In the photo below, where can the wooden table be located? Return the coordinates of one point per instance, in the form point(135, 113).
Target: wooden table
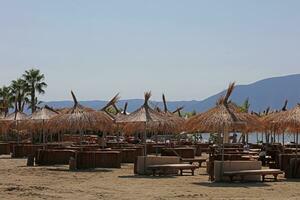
point(193, 160)
point(165, 167)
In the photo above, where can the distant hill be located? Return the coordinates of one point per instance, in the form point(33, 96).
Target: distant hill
point(268, 92)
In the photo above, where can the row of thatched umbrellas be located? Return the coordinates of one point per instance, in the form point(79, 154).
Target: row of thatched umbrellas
point(81, 119)
point(224, 118)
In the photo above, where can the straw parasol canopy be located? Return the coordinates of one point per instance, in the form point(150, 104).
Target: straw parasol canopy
point(191, 123)
point(15, 116)
point(269, 120)
point(289, 119)
point(12, 121)
point(37, 120)
point(223, 117)
point(80, 119)
point(111, 103)
point(252, 121)
point(44, 113)
point(147, 119)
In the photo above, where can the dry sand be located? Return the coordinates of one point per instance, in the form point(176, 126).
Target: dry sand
point(20, 182)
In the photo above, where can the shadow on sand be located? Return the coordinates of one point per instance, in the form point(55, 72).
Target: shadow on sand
point(6, 158)
point(234, 184)
point(146, 177)
point(72, 171)
point(292, 180)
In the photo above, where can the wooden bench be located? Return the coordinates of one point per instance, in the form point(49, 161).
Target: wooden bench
point(193, 160)
point(164, 168)
point(262, 172)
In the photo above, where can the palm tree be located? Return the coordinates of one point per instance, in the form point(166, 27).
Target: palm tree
point(36, 84)
point(19, 90)
point(245, 106)
point(6, 100)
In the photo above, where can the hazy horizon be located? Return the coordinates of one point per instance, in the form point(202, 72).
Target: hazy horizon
point(187, 50)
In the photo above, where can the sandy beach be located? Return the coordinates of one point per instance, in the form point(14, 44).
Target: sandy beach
point(17, 181)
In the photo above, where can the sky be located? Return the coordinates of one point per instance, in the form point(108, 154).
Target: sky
point(187, 49)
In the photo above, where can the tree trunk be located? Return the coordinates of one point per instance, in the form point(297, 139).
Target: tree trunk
point(32, 98)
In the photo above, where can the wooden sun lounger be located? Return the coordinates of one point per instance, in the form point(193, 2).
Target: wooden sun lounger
point(164, 168)
point(262, 172)
point(193, 160)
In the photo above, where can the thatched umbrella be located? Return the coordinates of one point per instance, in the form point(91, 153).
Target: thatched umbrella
point(117, 114)
point(269, 120)
point(175, 118)
point(223, 118)
point(80, 119)
point(289, 120)
point(111, 103)
point(38, 118)
point(145, 119)
point(14, 119)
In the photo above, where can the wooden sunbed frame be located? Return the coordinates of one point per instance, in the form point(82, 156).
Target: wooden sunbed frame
point(165, 167)
point(262, 172)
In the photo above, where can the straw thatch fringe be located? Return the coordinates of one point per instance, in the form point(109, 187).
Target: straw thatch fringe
point(165, 103)
point(147, 96)
point(112, 102)
point(284, 108)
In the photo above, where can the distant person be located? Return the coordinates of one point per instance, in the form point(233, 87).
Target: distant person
point(262, 156)
point(246, 147)
point(234, 138)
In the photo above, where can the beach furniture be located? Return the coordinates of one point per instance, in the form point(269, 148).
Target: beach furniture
point(129, 155)
point(262, 172)
point(98, 159)
point(142, 163)
point(220, 167)
point(54, 157)
point(193, 160)
point(4, 149)
point(22, 151)
point(163, 169)
point(293, 169)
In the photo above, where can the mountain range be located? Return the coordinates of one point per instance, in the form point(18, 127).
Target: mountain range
point(271, 92)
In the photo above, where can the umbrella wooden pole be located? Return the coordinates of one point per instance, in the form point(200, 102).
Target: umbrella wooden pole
point(156, 142)
point(103, 139)
point(43, 133)
point(118, 135)
point(297, 137)
point(145, 139)
point(81, 136)
point(17, 126)
point(222, 163)
point(283, 138)
point(145, 147)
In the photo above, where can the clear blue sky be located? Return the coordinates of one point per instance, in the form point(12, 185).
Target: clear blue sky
point(187, 49)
